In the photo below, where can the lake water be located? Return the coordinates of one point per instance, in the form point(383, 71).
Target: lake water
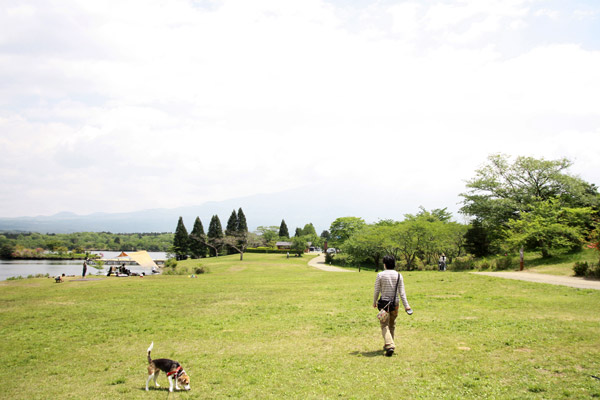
point(12, 268)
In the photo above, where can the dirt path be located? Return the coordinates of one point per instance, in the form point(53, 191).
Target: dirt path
point(319, 262)
point(572, 281)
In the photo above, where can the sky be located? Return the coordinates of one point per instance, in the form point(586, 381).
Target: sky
point(126, 105)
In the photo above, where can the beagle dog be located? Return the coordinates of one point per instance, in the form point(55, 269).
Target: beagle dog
point(171, 368)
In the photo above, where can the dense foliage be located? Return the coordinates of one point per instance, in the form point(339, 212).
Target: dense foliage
point(513, 202)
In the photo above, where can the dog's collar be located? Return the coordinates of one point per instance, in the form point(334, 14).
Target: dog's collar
point(178, 372)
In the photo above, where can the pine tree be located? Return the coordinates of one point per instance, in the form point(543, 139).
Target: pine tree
point(309, 229)
point(298, 232)
point(181, 241)
point(197, 247)
point(283, 230)
point(215, 234)
point(231, 230)
point(242, 224)
point(232, 224)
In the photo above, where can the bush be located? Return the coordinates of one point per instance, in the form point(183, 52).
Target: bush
point(580, 268)
point(186, 270)
point(593, 272)
point(329, 258)
point(504, 263)
point(267, 250)
point(483, 265)
point(462, 264)
point(171, 263)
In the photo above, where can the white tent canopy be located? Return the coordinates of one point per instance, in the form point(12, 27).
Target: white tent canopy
point(140, 257)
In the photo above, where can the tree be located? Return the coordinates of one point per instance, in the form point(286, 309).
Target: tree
point(181, 241)
point(268, 235)
point(367, 245)
point(342, 228)
point(325, 235)
point(283, 230)
point(299, 245)
point(242, 224)
point(548, 228)
point(214, 237)
point(502, 191)
point(476, 239)
point(232, 224)
point(231, 230)
point(309, 229)
point(197, 247)
point(298, 232)
point(241, 241)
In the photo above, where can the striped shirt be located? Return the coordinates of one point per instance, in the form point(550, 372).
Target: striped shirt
point(386, 283)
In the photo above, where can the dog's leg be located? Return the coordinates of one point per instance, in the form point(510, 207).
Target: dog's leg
point(156, 376)
point(170, 383)
point(148, 380)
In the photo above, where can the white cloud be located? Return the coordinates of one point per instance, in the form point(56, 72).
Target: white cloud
point(189, 104)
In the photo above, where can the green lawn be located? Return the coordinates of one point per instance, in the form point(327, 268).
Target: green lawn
point(273, 328)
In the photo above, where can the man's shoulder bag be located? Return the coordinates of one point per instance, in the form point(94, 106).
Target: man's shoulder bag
point(389, 305)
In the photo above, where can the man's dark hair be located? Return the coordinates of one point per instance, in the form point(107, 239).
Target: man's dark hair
point(389, 262)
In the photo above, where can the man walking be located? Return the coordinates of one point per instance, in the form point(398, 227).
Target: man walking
point(390, 285)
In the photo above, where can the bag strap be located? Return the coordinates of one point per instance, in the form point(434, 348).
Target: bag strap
point(396, 290)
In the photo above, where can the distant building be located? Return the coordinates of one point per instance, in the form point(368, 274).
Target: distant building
point(283, 245)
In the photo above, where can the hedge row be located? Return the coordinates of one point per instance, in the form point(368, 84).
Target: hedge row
point(267, 250)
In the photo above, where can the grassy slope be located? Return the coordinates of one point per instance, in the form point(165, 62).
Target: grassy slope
point(272, 328)
point(559, 265)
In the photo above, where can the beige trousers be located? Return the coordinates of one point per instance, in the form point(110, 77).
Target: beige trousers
point(387, 330)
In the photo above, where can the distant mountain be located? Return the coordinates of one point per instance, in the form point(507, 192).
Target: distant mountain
point(319, 205)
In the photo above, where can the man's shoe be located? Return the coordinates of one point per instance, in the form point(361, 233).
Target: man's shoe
point(389, 352)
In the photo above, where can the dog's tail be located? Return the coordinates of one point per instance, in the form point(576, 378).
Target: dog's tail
point(149, 350)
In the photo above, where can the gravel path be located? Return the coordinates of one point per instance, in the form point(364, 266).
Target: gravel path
point(572, 281)
point(319, 262)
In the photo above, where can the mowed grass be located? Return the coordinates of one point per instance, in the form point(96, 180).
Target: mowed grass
point(273, 328)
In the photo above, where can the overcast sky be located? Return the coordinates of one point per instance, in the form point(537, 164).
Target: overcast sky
point(126, 105)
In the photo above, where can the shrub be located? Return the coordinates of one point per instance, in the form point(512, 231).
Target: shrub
point(329, 258)
point(484, 264)
point(171, 263)
point(504, 263)
point(267, 250)
point(593, 271)
point(186, 270)
point(462, 264)
point(580, 268)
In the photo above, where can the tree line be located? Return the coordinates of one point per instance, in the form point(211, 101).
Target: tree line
point(34, 245)
point(236, 238)
point(525, 204)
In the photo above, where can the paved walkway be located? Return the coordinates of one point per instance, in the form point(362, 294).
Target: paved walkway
point(319, 262)
point(572, 281)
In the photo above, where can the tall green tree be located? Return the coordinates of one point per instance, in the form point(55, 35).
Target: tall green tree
point(232, 224)
point(181, 241)
point(298, 232)
point(231, 230)
point(503, 190)
point(215, 236)
point(198, 248)
point(283, 230)
point(242, 223)
point(309, 229)
point(342, 228)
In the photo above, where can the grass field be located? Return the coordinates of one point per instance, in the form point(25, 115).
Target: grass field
point(273, 328)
